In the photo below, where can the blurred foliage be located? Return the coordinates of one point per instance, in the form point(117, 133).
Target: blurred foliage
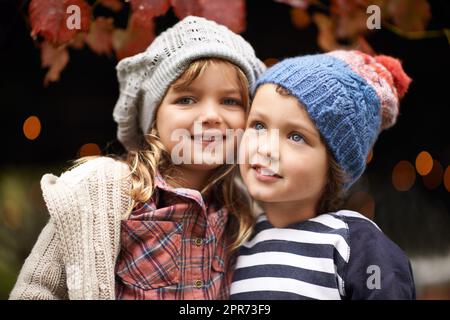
point(22, 216)
point(341, 24)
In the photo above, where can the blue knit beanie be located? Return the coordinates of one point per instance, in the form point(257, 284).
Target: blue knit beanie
point(350, 97)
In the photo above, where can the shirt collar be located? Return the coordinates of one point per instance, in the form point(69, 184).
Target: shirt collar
point(192, 194)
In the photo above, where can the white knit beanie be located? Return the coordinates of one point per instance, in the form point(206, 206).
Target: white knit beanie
point(145, 77)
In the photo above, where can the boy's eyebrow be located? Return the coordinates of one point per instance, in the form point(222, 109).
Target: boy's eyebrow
point(302, 127)
point(291, 123)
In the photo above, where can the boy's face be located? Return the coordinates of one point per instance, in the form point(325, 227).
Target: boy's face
point(197, 120)
point(292, 173)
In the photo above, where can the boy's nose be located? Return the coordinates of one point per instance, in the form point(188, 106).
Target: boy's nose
point(268, 145)
point(264, 150)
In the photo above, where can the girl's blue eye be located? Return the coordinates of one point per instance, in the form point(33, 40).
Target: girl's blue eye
point(296, 137)
point(232, 102)
point(185, 100)
point(258, 126)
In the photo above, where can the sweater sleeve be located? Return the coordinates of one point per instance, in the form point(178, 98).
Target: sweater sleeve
point(377, 269)
point(42, 276)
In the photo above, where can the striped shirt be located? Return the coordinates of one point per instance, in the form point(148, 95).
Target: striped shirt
point(333, 256)
point(173, 247)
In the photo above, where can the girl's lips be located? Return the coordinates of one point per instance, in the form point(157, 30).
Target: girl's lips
point(206, 140)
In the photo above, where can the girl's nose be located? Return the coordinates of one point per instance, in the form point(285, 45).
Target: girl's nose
point(210, 115)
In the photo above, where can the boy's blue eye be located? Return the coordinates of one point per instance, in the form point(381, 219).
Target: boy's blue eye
point(185, 100)
point(258, 126)
point(296, 137)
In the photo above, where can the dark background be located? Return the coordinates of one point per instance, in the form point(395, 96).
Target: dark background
point(78, 109)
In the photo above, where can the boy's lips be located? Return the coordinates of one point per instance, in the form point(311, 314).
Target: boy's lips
point(265, 173)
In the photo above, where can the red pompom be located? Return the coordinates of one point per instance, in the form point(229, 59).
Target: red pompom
point(401, 79)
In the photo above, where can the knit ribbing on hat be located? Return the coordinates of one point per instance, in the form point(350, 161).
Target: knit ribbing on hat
point(145, 77)
point(344, 107)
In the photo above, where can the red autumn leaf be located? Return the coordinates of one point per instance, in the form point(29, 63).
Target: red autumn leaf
point(364, 46)
point(134, 39)
point(230, 13)
point(50, 19)
point(409, 15)
point(350, 26)
point(184, 8)
point(302, 4)
point(78, 41)
point(149, 8)
point(300, 17)
point(99, 38)
point(114, 5)
point(55, 58)
point(325, 38)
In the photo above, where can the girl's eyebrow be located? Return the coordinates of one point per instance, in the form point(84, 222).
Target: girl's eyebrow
point(183, 88)
point(230, 91)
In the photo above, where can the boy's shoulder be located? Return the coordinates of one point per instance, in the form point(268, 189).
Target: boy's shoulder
point(366, 236)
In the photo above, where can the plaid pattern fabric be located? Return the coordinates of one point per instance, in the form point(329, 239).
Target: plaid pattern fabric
point(174, 247)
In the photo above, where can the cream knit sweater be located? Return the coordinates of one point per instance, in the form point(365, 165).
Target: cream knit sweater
point(75, 254)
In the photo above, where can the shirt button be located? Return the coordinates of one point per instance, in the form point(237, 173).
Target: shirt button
point(198, 241)
point(198, 284)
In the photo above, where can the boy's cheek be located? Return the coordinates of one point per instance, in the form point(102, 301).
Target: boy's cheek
point(245, 149)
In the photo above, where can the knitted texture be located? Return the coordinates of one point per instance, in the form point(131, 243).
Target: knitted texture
point(145, 77)
point(75, 255)
point(350, 97)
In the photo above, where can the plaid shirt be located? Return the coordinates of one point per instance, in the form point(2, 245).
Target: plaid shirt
point(174, 247)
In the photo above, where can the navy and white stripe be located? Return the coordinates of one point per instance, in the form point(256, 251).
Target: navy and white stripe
point(301, 261)
point(311, 260)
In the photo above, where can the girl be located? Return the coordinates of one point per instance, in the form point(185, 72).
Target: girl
point(324, 112)
point(151, 226)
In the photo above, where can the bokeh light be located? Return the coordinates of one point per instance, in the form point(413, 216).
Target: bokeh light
point(89, 149)
point(270, 62)
point(300, 17)
point(369, 156)
point(32, 127)
point(363, 203)
point(434, 178)
point(403, 176)
point(447, 178)
point(424, 163)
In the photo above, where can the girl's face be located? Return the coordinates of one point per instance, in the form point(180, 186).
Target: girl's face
point(288, 162)
point(193, 120)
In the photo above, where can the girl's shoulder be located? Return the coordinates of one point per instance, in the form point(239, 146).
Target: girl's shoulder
point(93, 168)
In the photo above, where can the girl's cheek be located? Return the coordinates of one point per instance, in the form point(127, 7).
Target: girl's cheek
point(239, 120)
